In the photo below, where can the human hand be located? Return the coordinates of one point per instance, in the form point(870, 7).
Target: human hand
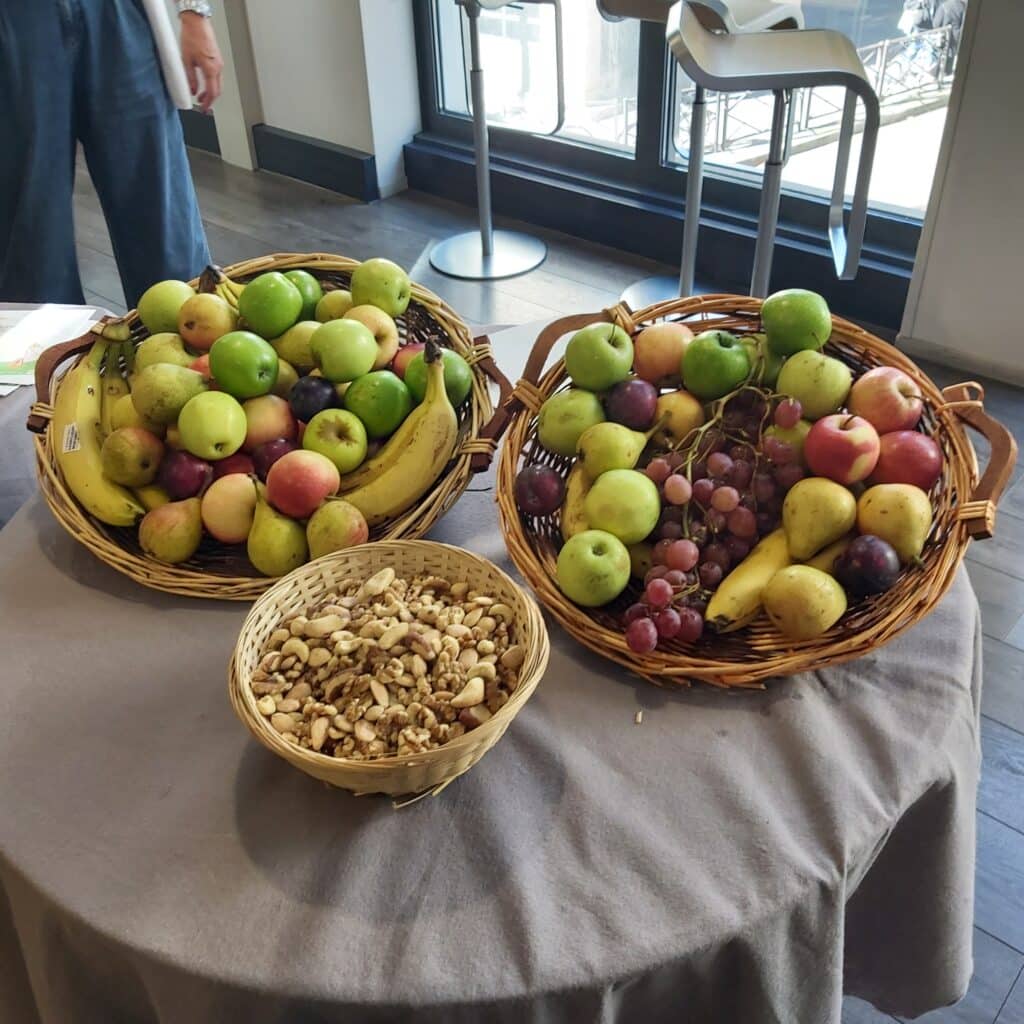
point(199, 50)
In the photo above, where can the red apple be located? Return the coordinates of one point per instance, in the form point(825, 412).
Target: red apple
point(237, 463)
point(887, 398)
point(228, 507)
point(658, 351)
point(183, 475)
point(267, 454)
point(298, 483)
point(267, 418)
point(841, 447)
point(405, 355)
point(907, 457)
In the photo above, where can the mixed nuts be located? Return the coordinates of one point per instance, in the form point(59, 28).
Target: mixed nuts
point(388, 666)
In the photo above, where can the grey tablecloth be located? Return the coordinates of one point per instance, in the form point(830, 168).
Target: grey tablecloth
point(735, 858)
point(17, 458)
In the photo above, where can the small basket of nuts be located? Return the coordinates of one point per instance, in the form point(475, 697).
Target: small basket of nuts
point(389, 667)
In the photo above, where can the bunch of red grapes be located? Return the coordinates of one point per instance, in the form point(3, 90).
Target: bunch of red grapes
point(720, 493)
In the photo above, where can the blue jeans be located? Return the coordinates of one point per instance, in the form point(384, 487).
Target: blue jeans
point(87, 71)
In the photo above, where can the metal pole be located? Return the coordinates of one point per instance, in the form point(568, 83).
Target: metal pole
point(480, 141)
point(771, 190)
point(694, 182)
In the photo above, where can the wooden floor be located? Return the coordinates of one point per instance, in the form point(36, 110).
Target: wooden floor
point(252, 214)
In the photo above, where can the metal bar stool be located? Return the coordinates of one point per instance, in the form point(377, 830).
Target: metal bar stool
point(487, 254)
point(779, 61)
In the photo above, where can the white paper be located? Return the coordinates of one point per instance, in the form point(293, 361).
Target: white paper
point(26, 333)
point(169, 51)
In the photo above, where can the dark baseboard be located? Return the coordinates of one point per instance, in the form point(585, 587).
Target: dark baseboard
point(338, 168)
point(651, 224)
point(200, 131)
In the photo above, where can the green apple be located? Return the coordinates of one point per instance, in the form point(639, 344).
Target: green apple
point(593, 568)
point(458, 377)
point(819, 382)
point(334, 305)
point(243, 364)
point(599, 356)
point(212, 426)
point(160, 303)
point(309, 289)
point(714, 364)
point(162, 348)
point(563, 418)
point(625, 502)
point(293, 345)
point(793, 436)
point(343, 349)
point(795, 320)
point(131, 456)
point(383, 284)
point(380, 400)
point(339, 435)
point(270, 304)
point(160, 391)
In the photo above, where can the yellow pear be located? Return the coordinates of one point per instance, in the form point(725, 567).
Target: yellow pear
point(898, 513)
point(815, 513)
point(276, 544)
point(803, 602)
point(607, 446)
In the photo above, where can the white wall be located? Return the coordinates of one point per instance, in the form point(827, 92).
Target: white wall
point(968, 278)
point(343, 71)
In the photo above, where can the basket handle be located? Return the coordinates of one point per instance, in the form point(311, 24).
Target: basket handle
point(46, 368)
point(511, 399)
point(979, 513)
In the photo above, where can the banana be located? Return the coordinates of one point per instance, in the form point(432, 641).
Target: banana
point(411, 461)
point(230, 291)
point(113, 330)
point(826, 560)
point(576, 488)
point(114, 384)
point(75, 437)
point(738, 598)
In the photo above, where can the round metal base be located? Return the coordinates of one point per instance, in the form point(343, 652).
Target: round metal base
point(649, 290)
point(462, 256)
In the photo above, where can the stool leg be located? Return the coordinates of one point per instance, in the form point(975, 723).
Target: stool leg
point(481, 143)
point(694, 184)
point(771, 191)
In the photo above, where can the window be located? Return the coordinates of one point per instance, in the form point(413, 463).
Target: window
point(522, 53)
point(908, 48)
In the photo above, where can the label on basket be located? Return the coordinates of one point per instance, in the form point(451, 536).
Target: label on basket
point(71, 441)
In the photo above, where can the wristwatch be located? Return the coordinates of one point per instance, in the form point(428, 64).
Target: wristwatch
point(200, 7)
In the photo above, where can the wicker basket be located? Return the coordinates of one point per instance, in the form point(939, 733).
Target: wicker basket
point(398, 775)
point(219, 572)
point(964, 507)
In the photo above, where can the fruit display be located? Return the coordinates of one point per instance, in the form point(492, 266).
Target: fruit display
point(261, 423)
point(746, 487)
point(445, 659)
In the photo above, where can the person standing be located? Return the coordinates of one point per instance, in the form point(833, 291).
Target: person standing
point(87, 71)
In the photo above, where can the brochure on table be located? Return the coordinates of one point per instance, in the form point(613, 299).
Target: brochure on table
point(26, 331)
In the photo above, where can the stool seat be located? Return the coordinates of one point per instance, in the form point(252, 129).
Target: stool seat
point(739, 16)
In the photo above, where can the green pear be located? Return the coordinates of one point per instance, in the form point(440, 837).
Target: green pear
point(162, 348)
point(124, 414)
point(276, 544)
point(803, 602)
point(160, 391)
point(607, 446)
point(172, 532)
point(293, 345)
point(287, 377)
point(816, 512)
point(898, 513)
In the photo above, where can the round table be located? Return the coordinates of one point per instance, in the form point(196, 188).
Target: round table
point(730, 857)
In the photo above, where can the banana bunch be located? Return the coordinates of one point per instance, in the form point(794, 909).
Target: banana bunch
point(737, 601)
point(75, 439)
point(576, 487)
point(412, 460)
point(114, 383)
point(230, 291)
